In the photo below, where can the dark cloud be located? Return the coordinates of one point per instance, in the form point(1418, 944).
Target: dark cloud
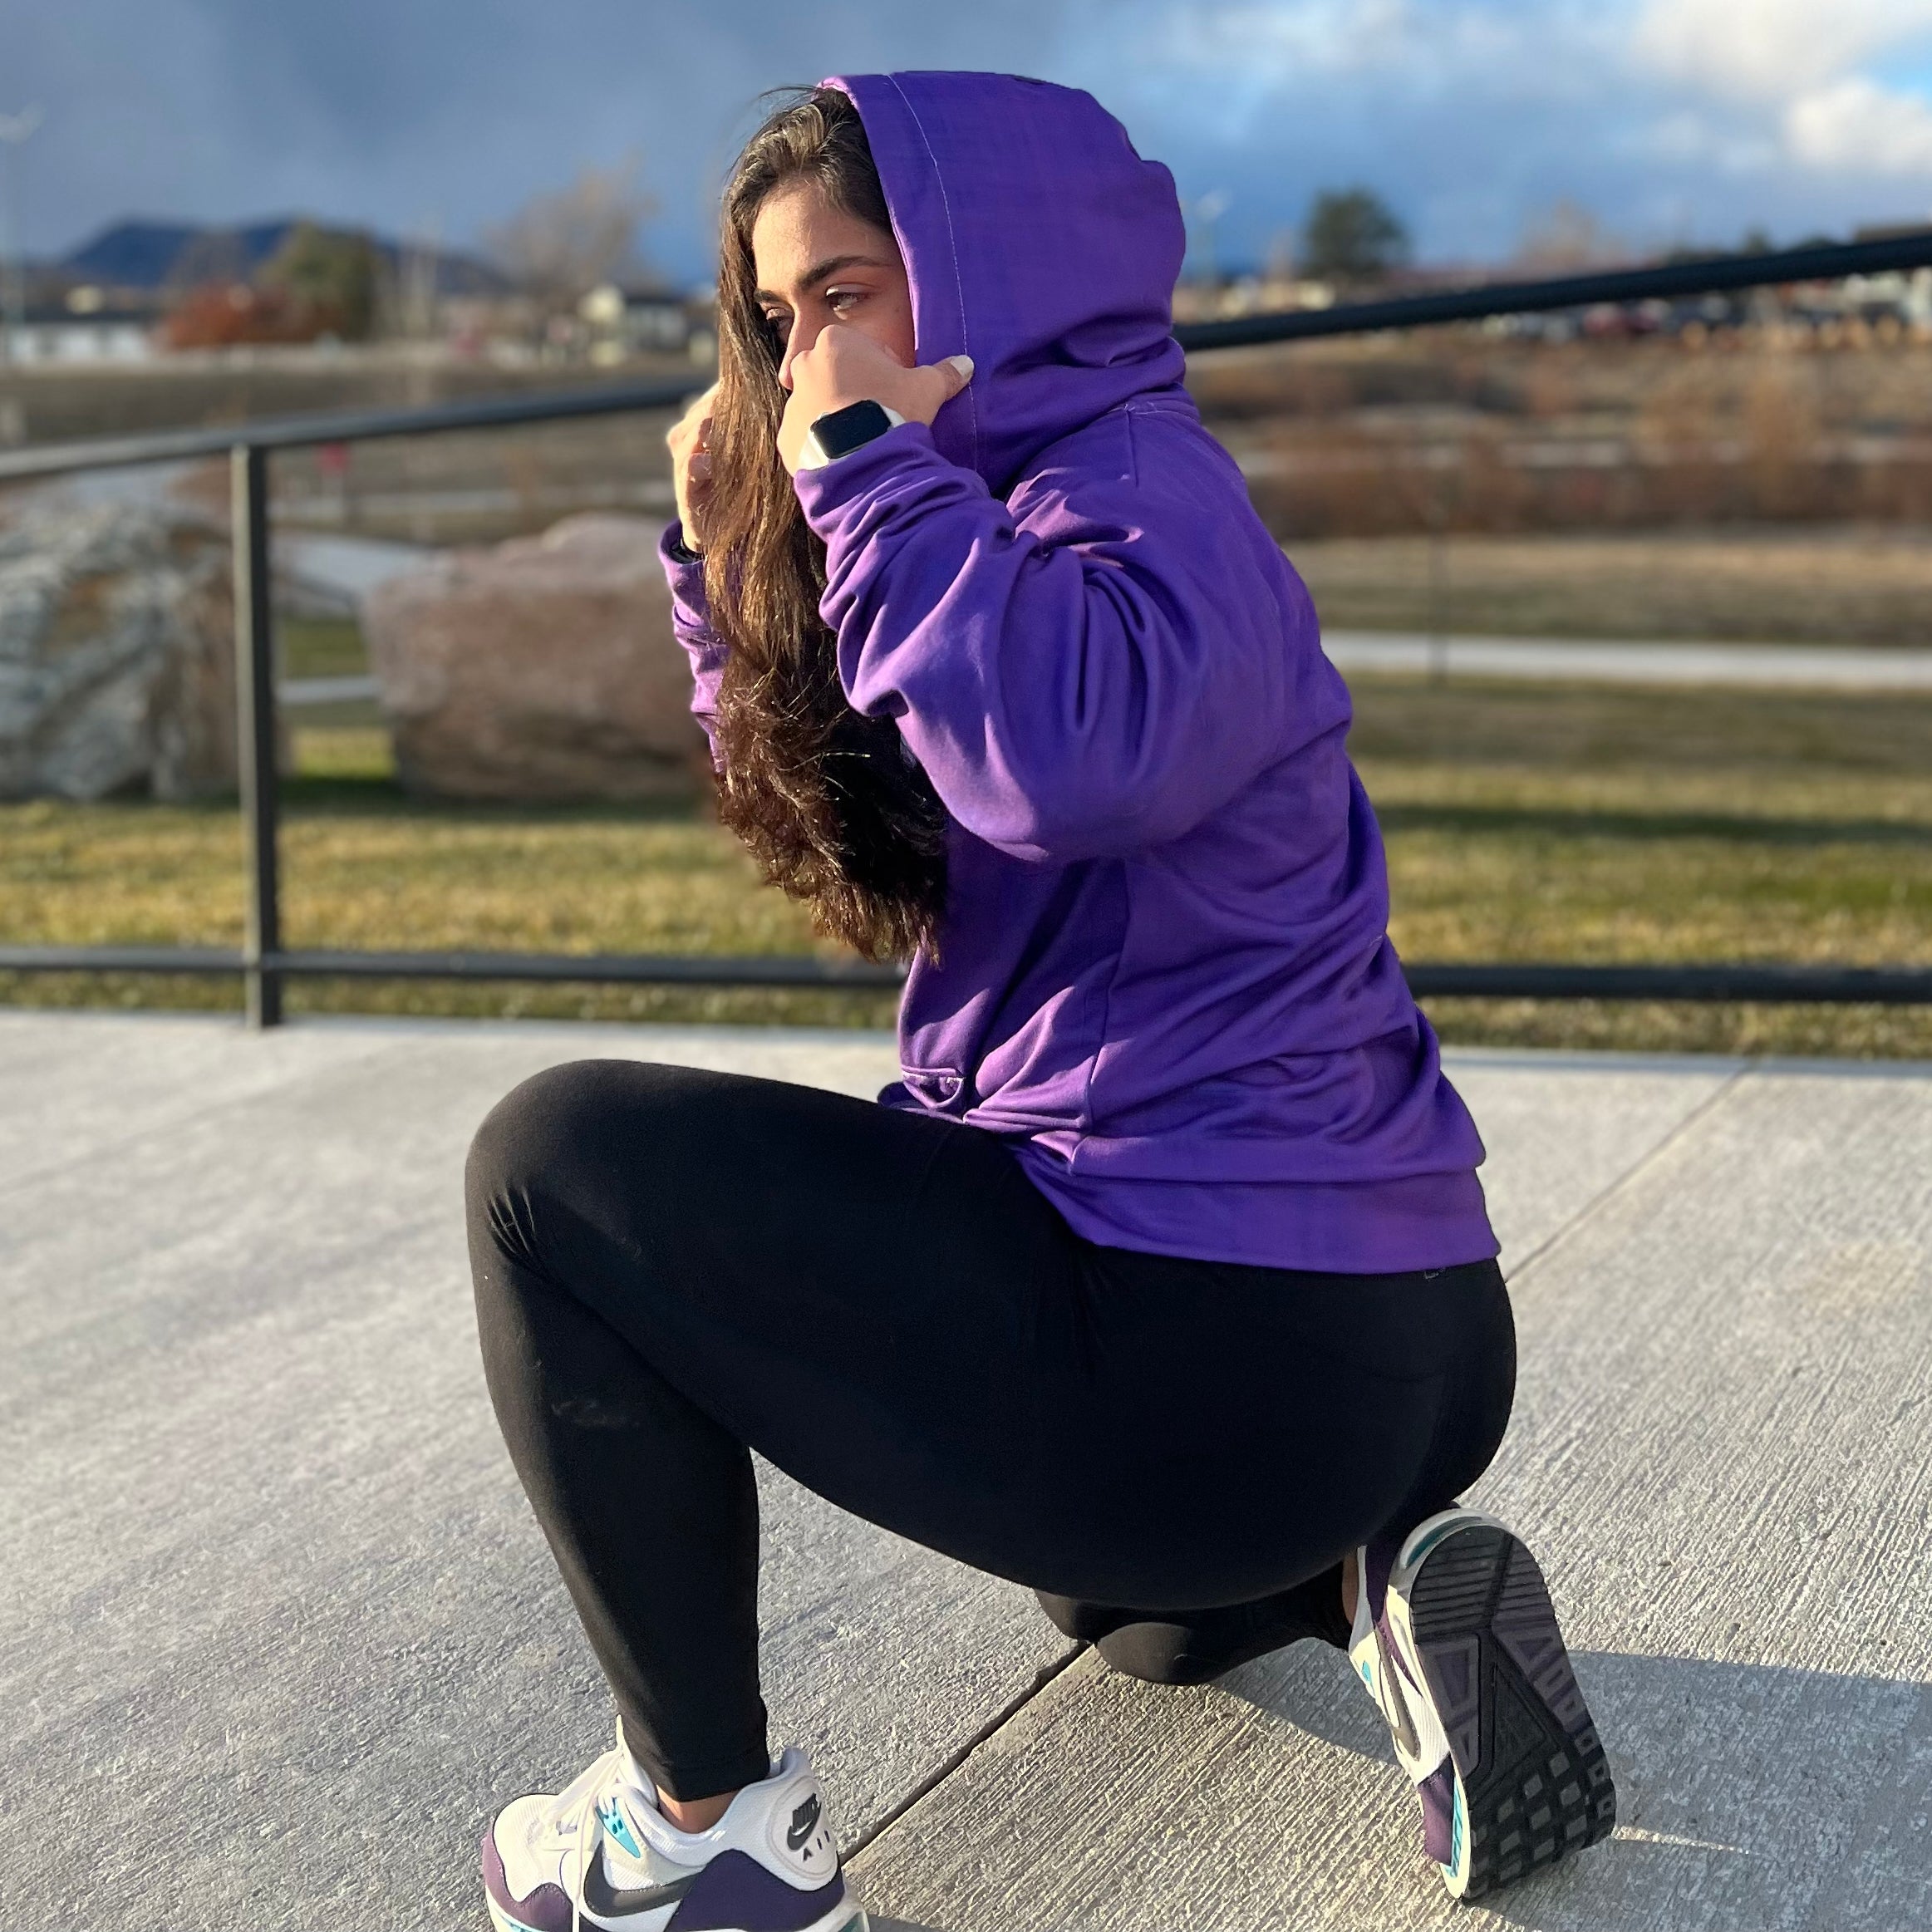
point(398, 113)
point(449, 110)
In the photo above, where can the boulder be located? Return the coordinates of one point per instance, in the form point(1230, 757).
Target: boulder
point(544, 668)
point(116, 651)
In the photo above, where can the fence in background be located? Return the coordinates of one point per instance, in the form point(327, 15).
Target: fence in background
point(264, 964)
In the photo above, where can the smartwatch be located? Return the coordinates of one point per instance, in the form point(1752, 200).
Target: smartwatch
point(844, 430)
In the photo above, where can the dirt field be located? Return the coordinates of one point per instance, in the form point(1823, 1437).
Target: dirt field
point(64, 404)
point(1456, 430)
point(1440, 432)
point(1869, 584)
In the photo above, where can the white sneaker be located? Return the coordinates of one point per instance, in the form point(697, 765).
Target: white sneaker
point(1455, 1639)
point(601, 1854)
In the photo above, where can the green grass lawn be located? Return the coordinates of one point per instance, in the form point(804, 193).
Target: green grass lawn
point(1523, 822)
point(320, 647)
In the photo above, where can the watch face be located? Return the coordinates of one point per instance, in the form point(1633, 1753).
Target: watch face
point(850, 428)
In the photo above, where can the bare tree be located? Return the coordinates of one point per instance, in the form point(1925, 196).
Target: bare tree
point(562, 243)
point(1566, 239)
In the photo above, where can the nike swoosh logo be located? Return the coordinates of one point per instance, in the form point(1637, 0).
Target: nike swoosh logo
point(602, 1897)
point(804, 1823)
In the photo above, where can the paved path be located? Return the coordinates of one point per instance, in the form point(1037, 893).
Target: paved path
point(349, 568)
point(275, 1628)
point(1625, 660)
point(1606, 661)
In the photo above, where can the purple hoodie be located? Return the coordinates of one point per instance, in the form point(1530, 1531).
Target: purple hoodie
point(1165, 976)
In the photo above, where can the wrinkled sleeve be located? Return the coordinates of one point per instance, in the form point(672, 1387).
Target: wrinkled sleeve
point(691, 621)
point(1094, 678)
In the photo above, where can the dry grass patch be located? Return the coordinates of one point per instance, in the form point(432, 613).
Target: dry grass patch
point(1523, 822)
point(1870, 585)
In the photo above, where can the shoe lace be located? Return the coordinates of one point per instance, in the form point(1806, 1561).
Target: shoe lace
point(578, 1813)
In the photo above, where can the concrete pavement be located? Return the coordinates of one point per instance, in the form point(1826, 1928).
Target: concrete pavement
point(278, 1631)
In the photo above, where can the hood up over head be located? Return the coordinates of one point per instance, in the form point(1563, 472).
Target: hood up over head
point(1037, 242)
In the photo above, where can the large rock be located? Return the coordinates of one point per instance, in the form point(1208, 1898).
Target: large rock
point(543, 668)
point(116, 651)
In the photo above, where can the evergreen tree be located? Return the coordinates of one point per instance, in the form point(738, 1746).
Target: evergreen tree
point(329, 275)
point(1352, 235)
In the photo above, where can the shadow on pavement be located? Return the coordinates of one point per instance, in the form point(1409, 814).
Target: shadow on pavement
point(1743, 1790)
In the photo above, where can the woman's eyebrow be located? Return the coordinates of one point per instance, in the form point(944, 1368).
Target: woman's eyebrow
point(824, 269)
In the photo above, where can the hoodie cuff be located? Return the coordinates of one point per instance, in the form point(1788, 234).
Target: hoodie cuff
point(684, 571)
point(676, 558)
point(824, 492)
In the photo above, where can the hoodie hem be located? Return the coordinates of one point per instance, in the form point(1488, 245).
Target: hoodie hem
point(1397, 1226)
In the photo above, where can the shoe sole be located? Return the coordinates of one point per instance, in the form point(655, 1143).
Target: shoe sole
point(1532, 1782)
point(849, 1916)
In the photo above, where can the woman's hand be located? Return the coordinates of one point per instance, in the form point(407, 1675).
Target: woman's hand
point(690, 466)
point(845, 366)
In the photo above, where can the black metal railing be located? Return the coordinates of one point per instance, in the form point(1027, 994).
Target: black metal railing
point(264, 964)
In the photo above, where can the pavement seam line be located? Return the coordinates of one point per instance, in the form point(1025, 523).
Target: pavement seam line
point(956, 1759)
point(1602, 1199)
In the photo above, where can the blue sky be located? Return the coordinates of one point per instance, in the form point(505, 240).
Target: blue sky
point(1670, 120)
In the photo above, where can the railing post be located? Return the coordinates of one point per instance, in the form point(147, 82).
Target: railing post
point(255, 730)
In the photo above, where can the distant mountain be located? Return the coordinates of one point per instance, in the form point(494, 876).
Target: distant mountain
point(143, 254)
point(150, 254)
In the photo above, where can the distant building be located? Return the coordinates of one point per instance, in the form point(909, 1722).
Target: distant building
point(625, 322)
point(1897, 292)
point(88, 326)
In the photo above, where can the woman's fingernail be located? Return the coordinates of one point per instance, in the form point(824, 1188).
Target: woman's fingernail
point(963, 364)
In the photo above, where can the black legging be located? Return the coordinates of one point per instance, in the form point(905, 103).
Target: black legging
point(674, 1268)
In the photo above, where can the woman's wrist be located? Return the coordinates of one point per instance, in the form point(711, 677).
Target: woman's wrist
point(841, 431)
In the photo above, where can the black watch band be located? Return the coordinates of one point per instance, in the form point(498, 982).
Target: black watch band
point(851, 428)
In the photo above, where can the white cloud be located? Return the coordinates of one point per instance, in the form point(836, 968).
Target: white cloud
point(1292, 38)
point(1237, 61)
point(1700, 143)
point(1858, 126)
point(1771, 49)
point(1791, 80)
point(1296, 41)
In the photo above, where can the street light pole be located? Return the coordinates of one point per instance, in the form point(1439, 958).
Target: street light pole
point(1207, 211)
point(15, 131)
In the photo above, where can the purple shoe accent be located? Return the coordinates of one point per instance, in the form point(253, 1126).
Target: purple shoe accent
point(1380, 1554)
point(1378, 1565)
point(1438, 1794)
point(546, 1909)
point(735, 1890)
point(1396, 1663)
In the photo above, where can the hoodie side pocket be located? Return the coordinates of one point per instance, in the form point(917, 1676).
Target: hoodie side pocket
point(941, 1088)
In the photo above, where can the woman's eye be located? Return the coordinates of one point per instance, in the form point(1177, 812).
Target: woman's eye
point(841, 299)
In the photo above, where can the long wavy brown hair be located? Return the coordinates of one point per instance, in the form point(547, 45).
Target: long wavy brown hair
point(835, 811)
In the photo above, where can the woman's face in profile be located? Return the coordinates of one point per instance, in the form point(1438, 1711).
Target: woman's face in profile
point(816, 264)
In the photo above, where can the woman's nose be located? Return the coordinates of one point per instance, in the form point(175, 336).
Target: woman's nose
point(803, 335)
